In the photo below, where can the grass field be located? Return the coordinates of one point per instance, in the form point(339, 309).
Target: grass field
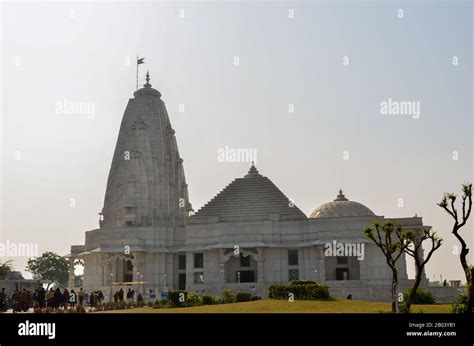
point(283, 306)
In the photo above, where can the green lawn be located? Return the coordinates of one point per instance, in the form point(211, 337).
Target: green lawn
point(284, 306)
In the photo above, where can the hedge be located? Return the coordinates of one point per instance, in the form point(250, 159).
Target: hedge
point(243, 297)
point(421, 296)
point(174, 298)
point(302, 282)
point(306, 291)
point(207, 300)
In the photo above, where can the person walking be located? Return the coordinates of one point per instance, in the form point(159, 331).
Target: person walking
point(100, 297)
point(121, 293)
point(58, 298)
point(139, 300)
point(93, 300)
point(81, 296)
point(25, 300)
point(50, 298)
point(41, 297)
point(15, 300)
point(65, 298)
point(3, 300)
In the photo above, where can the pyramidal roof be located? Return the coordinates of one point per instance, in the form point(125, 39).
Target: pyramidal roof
point(251, 198)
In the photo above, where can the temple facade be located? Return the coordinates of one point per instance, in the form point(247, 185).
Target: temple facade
point(249, 236)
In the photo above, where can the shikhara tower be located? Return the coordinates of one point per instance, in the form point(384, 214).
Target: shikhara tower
point(146, 185)
point(148, 239)
point(146, 200)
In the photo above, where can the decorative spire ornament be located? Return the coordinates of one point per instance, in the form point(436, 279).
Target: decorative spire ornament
point(147, 78)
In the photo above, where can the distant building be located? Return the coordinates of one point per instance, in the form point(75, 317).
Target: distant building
point(249, 236)
point(15, 281)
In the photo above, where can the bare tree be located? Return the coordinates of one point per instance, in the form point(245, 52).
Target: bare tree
point(415, 250)
point(448, 204)
point(392, 240)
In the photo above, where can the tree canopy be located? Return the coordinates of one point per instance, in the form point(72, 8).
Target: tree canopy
point(5, 267)
point(51, 267)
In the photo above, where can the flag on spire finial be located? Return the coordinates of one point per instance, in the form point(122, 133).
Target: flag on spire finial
point(139, 61)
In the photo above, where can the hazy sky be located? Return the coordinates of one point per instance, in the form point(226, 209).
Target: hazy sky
point(56, 52)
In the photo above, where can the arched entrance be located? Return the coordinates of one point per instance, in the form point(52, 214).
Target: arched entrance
point(241, 268)
point(124, 271)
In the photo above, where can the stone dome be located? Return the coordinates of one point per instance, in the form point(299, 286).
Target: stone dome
point(341, 207)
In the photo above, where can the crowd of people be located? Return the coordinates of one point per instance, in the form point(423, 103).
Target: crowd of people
point(53, 298)
point(120, 295)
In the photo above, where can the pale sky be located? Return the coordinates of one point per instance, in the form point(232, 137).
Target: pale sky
point(85, 52)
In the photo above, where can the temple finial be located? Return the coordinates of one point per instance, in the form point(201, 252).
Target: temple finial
point(147, 78)
point(252, 171)
point(341, 197)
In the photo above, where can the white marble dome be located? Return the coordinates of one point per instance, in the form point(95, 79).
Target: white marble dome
point(341, 207)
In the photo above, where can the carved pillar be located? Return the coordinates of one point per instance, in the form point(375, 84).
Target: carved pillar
point(71, 273)
point(222, 272)
point(259, 258)
point(363, 266)
point(321, 274)
point(189, 269)
point(138, 262)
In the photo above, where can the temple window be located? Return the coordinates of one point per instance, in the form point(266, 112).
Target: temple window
point(181, 262)
point(198, 260)
point(244, 260)
point(293, 257)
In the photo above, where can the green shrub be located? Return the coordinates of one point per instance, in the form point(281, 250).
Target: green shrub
point(176, 298)
point(243, 297)
point(302, 282)
point(255, 298)
point(193, 299)
point(307, 291)
point(217, 300)
point(421, 296)
point(228, 296)
point(207, 300)
point(459, 306)
point(162, 303)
